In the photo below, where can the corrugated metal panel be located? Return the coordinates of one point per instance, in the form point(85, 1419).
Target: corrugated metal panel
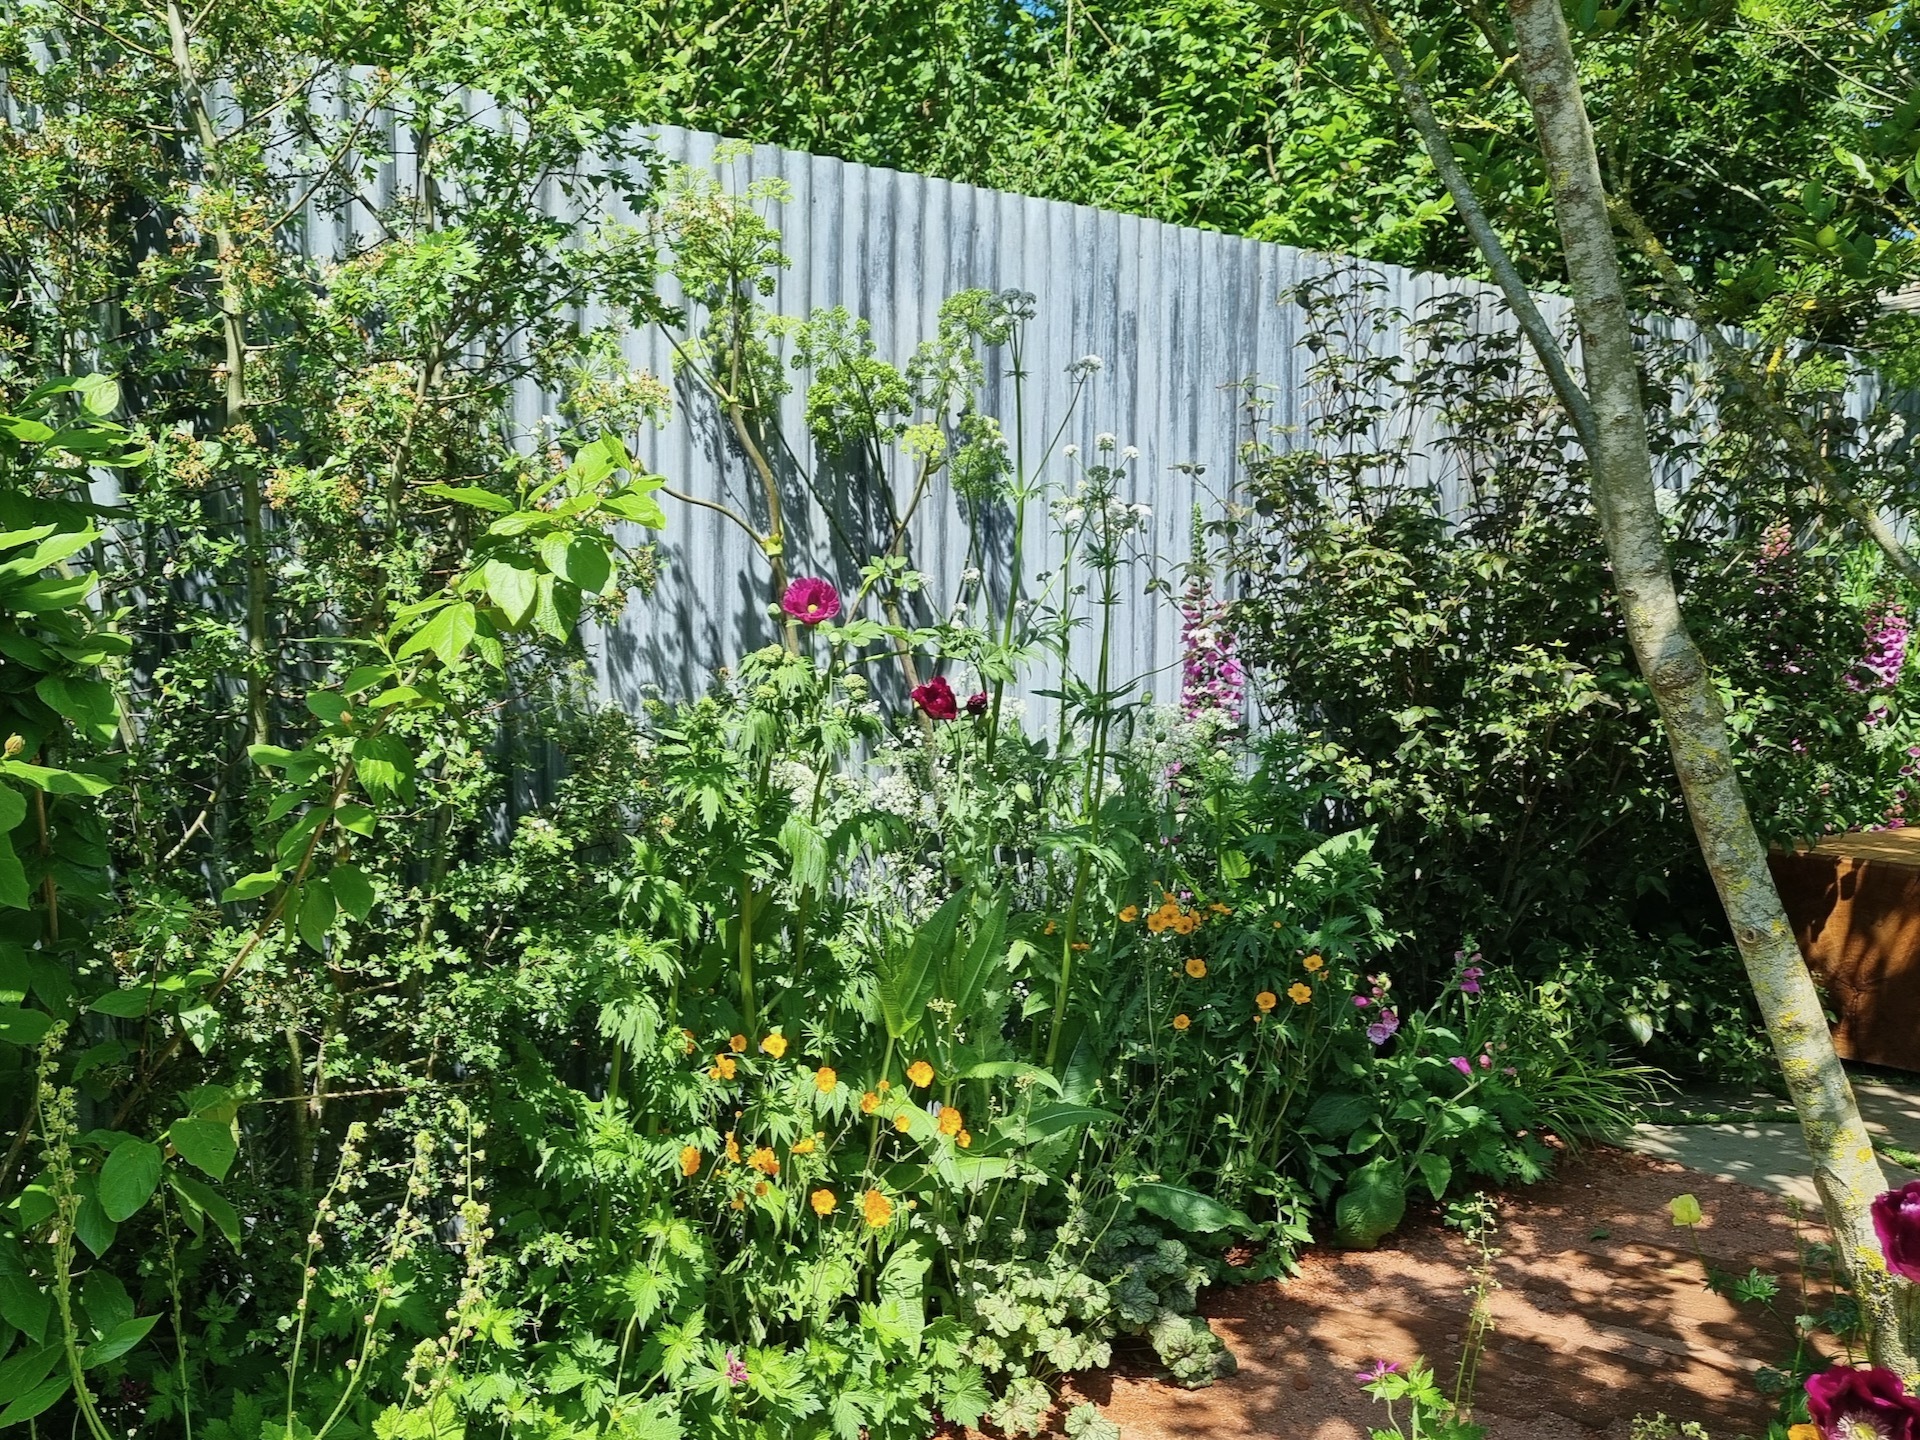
point(1179, 316)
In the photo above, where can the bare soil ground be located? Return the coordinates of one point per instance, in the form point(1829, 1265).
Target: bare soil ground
point(1601, 1316)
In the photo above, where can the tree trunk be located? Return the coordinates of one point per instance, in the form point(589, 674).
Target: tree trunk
point(1845, 1170)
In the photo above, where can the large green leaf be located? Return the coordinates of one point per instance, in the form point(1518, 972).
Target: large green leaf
point(317, 911)
point(209, 1144)
point(968, 972)
point(1337, 1114)
point(907, 974)
point(1188, 1209)
point(128, 1178)
point(512, 587)
point(197, 1194)
point(351, 889)
point(1372, 1205)
point(118, 1341)
point(23, 1303)
point(23, 1027)
point(447, 634)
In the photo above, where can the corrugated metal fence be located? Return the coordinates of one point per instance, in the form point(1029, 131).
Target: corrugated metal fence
point(1179, 317)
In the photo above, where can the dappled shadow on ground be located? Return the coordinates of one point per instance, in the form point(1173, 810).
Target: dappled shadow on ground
point(1601, 1316)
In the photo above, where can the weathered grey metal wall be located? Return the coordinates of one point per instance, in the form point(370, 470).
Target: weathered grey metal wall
point(1179, 317)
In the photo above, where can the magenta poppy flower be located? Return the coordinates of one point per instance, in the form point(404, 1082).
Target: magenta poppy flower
point(936, 700)
point(977, 703)
point(1872, 1398)
point(1463, 1065)
point(1896, 1220)
point(811, 600)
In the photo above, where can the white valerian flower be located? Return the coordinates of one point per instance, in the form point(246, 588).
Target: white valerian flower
point(1143, 513)
point(1071, 451)
point(1132, 452)
point(1105, 440)
point(1086, 365)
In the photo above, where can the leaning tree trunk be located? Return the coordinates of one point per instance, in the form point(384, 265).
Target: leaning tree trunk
point(1845, 1170)
point(1610, 420)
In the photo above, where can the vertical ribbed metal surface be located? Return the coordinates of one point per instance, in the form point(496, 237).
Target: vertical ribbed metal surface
point(1178, 316)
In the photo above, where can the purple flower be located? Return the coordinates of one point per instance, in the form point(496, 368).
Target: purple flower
point(1874, 1399)
point(1470, 980)
point(935, 699)
point(1212, 681)
point(1886, 648)
point(1463, 1065)
point(811, 600)
point(1896, 1220)
point(1379, 1370)
point(977, 703)
point(1382, 1029)
point(1361, 1002)
point(1486, 1061)
point(736, 1369)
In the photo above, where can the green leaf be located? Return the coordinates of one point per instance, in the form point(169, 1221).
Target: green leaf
point(1437, 1171)
point(447, 634)
point(128, 1178)
point(93, 1225)
point(1373, 1204)
point(249, 887)
point(86, 702)
point(965, 979)
point(23, 1027)
point(512, 587)
point(578, 559)
point(1338, 1114)
point(351, 889)
point(15, 893)
point(207, 1144)
point(468, 495)
point(1011, 1070)
point(23, 1304)
point(99, 393)
point(383, 765)
point(26, 1404)
point(906, 982)
point(117, 1341)
point(317, 911)
point(1188, 1209)
point(210, 1202)
point(354, 817)
point(1043, 1122)
point(55, 782)
point(131, 1003)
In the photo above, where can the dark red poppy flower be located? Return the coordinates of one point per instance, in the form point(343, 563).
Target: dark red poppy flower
point(935, 699)
point(1872, 1398)
point(977, 703)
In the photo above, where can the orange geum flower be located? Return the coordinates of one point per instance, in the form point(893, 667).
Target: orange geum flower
point(765, 1161)
point(803, 1146)
point(1185, 924)
point(1157, 922)
point(733, 1148)
point(689, 1160)
point(869, 1103)
point(825, 1079)
point(876, 1208)
point(951, 1120)
point(1197, 968)
point(1181, 1022)
point(823, 1203)
point(920, 1073)
point(1079, 945)
point(687, 1047)
point(1219, 909)
point(1051, 927)
point(1266, 1000)
point(1129, 914)
point(775, 1045)
point(1298, 993)
point(738, 1044)
point(725, 1067)
point(903, 1121)
point(759, 1187)
point(738, 1202)
point(963, 1139)
point(1313, 962)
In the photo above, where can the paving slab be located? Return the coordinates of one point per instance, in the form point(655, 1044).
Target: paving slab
point(1766, 1151)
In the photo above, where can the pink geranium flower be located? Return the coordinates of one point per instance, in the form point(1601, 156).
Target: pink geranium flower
point(811, 600)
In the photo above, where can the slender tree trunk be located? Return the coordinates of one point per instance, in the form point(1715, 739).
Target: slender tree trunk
point(1845, 1170)
point(1609, 416)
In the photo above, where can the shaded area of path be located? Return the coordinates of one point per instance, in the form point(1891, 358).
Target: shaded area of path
point(1602, 1316)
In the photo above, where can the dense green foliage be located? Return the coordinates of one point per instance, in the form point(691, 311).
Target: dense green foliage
point(1427, 603)
point(1770, 144)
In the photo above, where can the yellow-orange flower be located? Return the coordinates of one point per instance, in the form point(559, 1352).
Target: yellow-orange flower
point(1219, 909)
point(687, 1047)
point(1051, 927)
point(1803, 1432)
point(689, 1160)
point(1080, 945)
point(1181, 1022)
point(1313, 962)
point(824, 1079)
point(1157, 922)
point(765, 1161)
point(903, 1122)
point(738, 1044)
point(876, 1208)
point(1185, 924)
point(759, 1187)
point(920, 1073)
point(1129, 914)
point(1266, 1000)
point(803, 1147)
point(963, 1139)
point(951, 1120)
point(869, 1103)
point(738, 1202)
point(823, 1202)
point(725, 1067)
point(1299, 993)
point(775, 1045)
point(733, 1148)
point(1197, 968)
